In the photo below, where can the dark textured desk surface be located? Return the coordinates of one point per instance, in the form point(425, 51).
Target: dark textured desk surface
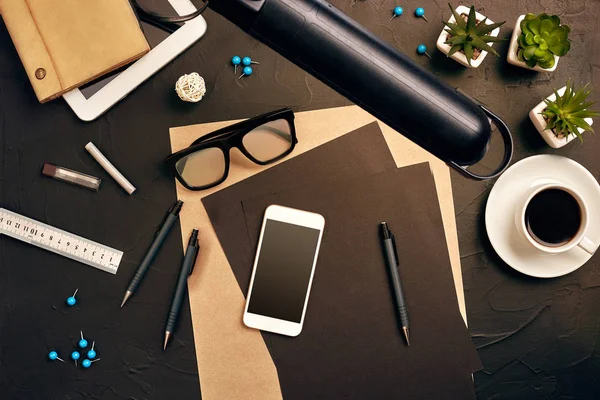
point(538, 339)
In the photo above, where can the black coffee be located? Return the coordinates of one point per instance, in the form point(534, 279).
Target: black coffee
point(553, 217)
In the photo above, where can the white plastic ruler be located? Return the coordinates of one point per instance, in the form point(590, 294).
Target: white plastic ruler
point(60, 242)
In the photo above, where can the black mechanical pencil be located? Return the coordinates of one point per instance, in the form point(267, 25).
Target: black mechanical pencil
point(391, 256)
point(161, 235)
point(187, 267)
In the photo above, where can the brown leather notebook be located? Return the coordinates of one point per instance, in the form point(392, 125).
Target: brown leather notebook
point(65, 44)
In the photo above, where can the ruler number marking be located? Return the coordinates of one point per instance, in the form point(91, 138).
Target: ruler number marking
point(60, 242)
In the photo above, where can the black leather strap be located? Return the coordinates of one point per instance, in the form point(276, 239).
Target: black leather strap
point(151, 16)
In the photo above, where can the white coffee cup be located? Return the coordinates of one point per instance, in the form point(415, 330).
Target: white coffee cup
point(580, 239)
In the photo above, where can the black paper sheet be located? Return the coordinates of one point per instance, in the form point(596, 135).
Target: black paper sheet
point(351, 346)
point(350, 329)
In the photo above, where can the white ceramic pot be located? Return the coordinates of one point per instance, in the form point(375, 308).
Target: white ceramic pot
point(459, 56)
point(540, 124)
point(514, 46)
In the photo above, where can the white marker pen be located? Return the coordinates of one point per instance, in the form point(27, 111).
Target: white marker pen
point(108, 167)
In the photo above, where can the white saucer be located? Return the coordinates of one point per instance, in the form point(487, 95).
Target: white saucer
point(500, 223)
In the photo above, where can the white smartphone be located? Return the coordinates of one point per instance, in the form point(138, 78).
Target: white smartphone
point(283, 270)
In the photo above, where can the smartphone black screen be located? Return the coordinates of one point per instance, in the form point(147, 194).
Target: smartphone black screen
point(283, 270)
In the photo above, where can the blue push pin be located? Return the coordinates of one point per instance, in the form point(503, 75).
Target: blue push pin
point(247, 61)
point(422, 49)
point(420, 12)
point(87, 363)
point(71, 301)
point(247, 72)
point(82, 343)
point(235, 60)
point(75, 356)
point(396, 12)
point(54, 356)
point(92, 353)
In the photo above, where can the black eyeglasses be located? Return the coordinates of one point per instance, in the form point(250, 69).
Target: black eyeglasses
point(263, 139)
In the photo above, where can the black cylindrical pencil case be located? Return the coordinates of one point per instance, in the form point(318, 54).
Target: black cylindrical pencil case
point(346, 56)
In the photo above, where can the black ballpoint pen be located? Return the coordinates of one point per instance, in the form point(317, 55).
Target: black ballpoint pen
point(186, 270)
point(391, 255)
point(161, 235)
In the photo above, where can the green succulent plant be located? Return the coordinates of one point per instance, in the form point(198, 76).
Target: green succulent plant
point(469, 35)
point(567, 113)
point(541, 39)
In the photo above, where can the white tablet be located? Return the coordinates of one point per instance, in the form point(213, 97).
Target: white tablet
point(93, 99)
